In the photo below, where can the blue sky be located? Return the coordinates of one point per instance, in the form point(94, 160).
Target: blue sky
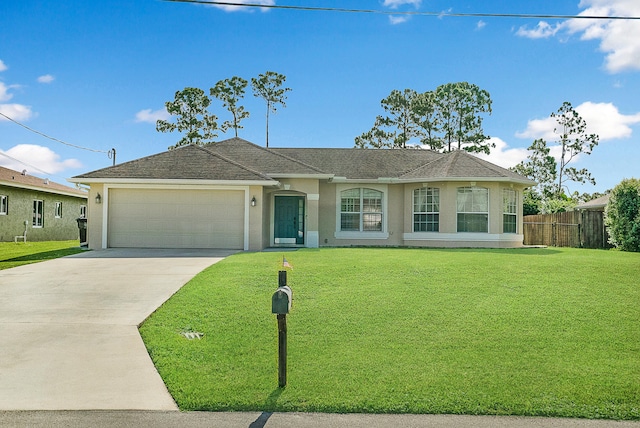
point(96, 74)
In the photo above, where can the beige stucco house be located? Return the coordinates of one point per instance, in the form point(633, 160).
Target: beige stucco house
point(234, 194)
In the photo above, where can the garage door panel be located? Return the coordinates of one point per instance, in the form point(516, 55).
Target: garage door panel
point(155, 218)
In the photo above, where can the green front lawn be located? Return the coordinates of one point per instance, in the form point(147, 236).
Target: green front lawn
point(552, 332)
point(16, 254)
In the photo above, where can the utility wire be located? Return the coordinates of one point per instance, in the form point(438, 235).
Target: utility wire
point(415, 13)
point(51, 138)
point(24, 163)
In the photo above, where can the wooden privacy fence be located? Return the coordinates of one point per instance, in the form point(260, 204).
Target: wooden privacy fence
point(582, 229)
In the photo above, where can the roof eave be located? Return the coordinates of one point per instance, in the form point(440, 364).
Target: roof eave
point(311, 176)
point(42, 189)
point(174, 181)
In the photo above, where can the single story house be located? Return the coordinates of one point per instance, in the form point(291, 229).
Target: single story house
point(47, 210)
point(237, 195)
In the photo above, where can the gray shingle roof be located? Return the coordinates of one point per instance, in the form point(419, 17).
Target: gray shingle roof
point(237, 159)
point(186, 162)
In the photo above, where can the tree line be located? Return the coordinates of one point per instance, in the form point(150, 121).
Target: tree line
point(199, 126)
point(445, 119)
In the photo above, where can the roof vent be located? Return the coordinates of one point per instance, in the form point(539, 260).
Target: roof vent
point(46, 181)
point(24, 172)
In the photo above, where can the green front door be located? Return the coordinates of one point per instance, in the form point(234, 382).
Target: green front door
point(289, 220)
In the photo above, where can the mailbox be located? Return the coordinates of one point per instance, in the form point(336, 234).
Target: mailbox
point(281, 301)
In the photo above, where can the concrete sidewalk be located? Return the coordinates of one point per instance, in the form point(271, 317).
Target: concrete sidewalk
point(68, 328)
point(137, 419)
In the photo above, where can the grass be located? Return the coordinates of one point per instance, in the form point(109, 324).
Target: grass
point(16, 254)
point(545, 332)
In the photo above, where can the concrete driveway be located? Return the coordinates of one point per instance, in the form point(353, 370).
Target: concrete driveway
point(68, 328)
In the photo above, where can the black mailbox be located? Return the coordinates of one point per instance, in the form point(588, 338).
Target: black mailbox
point(281, 301)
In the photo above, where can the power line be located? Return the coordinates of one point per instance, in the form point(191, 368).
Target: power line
point(24, 163)
point(52, 138)
point(413, 13)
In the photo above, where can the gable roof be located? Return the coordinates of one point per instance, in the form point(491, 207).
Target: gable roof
point(11, 178)
point(236, 159)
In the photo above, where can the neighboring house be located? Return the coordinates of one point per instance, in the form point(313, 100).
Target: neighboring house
point(237, 195)
point(597, 204)
point(49, 209)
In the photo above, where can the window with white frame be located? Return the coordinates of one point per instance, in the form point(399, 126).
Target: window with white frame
point(38, 213)
point(58, 212)
point(473, 209)
point(426, 210)
point(83, 211)
point(361, 210)
point(4, 205)
point(509, 211)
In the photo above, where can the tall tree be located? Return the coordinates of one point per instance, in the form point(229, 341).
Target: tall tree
point(396, 128)
point(230, 91)
point(573, 140)
point(268, 86)
point(190, 108)
point(426, 116)
point(459, 107)
point(541, 167)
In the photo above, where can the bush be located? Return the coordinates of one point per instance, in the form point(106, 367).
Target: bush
point(623, 215)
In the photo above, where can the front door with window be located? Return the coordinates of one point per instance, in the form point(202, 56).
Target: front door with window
point(288, 222)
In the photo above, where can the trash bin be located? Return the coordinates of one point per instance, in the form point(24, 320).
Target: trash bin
point(82, 227)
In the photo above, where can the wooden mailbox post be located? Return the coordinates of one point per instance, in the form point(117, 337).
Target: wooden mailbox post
point(281, 305)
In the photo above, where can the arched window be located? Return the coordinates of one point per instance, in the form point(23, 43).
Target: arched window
point(361, 210)
point(426, 210)
point(473, 209)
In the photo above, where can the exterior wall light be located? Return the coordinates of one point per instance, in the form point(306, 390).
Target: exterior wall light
point(253, 201)
point(98, 199)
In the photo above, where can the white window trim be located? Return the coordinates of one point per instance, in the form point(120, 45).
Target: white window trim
point(488, 212)
point(413, 207)
point(383, 234)
point(4, 211)
point(41, 225)
point(58, 207)
point(515, 214)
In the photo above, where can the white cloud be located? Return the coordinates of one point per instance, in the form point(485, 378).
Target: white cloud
point(603, 119)
point(395, 20)
point(394, 4)
point(4, 92)
point(149, 116)
point(47, 78)
point(3, 66)
point(480, 25)
point(17, 112)
point(229, 8)
point(38, 156)
point(504, 156)
point(541, 31)
point(619, 39)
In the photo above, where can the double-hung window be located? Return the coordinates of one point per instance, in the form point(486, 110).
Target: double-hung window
point(58, 212)
point(473, 209)
point(4, 205)
point(38, 213)
point(361, 210)
point(509, 211)
point(426, 210)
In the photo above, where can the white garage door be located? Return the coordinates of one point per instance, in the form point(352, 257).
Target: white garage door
point(155, 218)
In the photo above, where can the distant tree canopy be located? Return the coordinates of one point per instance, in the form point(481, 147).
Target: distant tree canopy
point(553, 175)
point(190, 107)
point(449, 118)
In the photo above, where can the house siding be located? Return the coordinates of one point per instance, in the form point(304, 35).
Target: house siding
point(21, 209)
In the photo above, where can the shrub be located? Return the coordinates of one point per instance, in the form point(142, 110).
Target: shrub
point(623, 215)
